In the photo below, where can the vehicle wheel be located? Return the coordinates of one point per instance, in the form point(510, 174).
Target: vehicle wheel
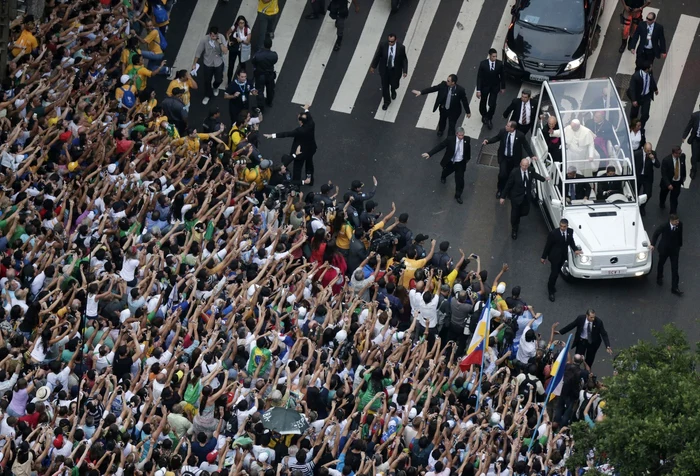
point(565, 275)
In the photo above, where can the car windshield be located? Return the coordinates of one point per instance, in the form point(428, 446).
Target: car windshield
point(563, 15)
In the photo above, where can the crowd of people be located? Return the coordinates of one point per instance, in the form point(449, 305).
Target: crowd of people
point(165, 291)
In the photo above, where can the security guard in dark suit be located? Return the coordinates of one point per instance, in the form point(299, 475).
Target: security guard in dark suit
point(668, 241)
point(555, 250)
point(519, 190)
point(264, 62)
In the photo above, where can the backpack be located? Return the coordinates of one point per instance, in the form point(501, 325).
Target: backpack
point(161, 40)
point(440, 261)
point(524, 390)
point(160, 14)
point(128, 98)
point(134, 76)
point(382, 243)
point(580, 414)
point(473, 318)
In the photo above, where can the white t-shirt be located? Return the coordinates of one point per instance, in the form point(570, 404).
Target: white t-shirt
point(526, 350)
point(128, 269)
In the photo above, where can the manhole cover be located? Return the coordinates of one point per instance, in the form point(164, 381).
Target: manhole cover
point(488, 155)
point(622, 82)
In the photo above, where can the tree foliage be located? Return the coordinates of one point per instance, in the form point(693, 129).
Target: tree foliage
point(652, 411)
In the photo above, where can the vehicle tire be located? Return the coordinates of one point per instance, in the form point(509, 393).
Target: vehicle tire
point(565, 275)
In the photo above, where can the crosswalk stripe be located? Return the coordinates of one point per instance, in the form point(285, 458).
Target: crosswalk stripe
point(453, 56)
point(249, 10)
point(671, 76)
point(362, 57)
point(472, 125)
point(604, 22)
point(415, 39)
point(316, 64)
point(286, 27)
point(688, 150)
point(196, 29)
point(628, 60)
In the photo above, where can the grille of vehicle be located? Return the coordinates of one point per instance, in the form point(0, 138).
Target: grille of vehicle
point(539, 66)
point(623, 259)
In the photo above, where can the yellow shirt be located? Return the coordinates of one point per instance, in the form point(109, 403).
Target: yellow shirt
point(153, 42)
point(124, 58)
point(27, 42)
point(268, 7)
point(120, 91)
point(342, 241)
point(144, 74)
point(186, 85)
point(412, 265)
point(257, 176)
point(192, 144)
point(450, 278)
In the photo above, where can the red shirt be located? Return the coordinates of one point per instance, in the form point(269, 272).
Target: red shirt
point(31, 419)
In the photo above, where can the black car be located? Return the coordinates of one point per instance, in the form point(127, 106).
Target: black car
point(550, 39)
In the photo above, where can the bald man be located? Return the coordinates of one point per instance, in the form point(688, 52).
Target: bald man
point(519, 189)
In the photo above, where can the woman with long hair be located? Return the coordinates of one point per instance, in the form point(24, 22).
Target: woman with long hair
point(238, 45)
point(318, 245)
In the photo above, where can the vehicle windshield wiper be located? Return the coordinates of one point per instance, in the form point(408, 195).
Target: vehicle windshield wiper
point(545, 27)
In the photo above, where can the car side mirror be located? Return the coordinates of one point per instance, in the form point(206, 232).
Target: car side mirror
point(556, 202)
point(642, 199)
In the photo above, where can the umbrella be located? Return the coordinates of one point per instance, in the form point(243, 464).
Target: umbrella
point(284, 421)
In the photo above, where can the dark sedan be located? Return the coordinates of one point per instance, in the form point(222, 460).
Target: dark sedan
point(550, 39)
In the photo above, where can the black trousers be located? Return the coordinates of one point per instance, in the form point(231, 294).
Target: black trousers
point(517, 211)
point(318, 7)
point(265, 84)
point(488, 97)
point(505, 165)
point(432, 333)
point(644, 56)
point(456, 334)
point(643, 106)
point(234, 53)
point(449, 115)
point(553, 275)
point(588, 350)
point(390, 82)
point(673, 256)
point(395, 4)
point(674, 196)
point(645, 186)
point(695, 157)
point(209, 72)
point(458, 169)
point(524, 129)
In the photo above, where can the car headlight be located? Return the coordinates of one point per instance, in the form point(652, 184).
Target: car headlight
point(575, 64)
point(584, 259)
point(511, 55)
point(642, 256)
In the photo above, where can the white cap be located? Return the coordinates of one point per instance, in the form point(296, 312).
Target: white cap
point(341, 336)
point(495, 419)
point(501, 288)
point(412, 414)
point(363, 316)
point(263, 456)
point(111, 168)
point(302, 311)
point(124, 79)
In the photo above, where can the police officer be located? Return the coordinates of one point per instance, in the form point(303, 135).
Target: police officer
point(264, 71)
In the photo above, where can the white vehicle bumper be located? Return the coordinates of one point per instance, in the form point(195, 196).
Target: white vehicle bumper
point(608, 272)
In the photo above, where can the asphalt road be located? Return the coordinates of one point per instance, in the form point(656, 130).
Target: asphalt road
point(356, 146)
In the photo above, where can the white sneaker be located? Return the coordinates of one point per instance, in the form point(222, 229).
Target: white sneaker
point(205, 101)
point(216, 92)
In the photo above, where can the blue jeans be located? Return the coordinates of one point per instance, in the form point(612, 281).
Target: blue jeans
point(154, 61)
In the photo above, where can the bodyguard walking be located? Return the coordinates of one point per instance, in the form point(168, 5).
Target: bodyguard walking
point(457, 154)
point(672, 178)
point(211, 50)
point(450, 99)
point(692, 132)
point(641, 92)
point(519, 190)
point(555, 250)
point(490, 80)
point(645, 163)
point(590, 333)
point(392, 62)
point(510, 152)
point(304, 144)
point(264, 62)
point(651, 39)
point(523, 111)
point(668, 241)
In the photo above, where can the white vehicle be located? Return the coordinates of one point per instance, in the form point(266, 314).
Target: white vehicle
point(589, 158)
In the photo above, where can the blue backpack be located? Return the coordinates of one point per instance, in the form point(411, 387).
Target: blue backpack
point(160, 14)
point(162, 41)
point(128, 99)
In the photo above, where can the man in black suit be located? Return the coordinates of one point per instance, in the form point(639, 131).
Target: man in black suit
point(641, 92)
point(519, 190)
point(457, 154)
point(490, 79)
point(450, 99)
point(672, 178)
point(692, 132)
point(669, 246)
point(555, 250)
point(392, 62)
point(576, 190)
point(644, 163)
point(590, 332)
point(523, 110)
point(652, 41)
point(611, 187)
point(304, 137)
point(510, 152)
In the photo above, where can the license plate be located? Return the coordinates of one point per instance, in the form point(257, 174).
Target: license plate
point(611, 272)
point(536, 77)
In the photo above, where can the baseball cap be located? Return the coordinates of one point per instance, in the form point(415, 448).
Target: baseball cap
point(501, 288)
point(212, 456)
point(412, 414)
point(265, 164)
point(124, 79)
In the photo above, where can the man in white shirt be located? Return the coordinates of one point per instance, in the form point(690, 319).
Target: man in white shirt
point(457, 154)
point(424, 305)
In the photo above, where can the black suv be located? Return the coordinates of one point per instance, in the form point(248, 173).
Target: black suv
point(550, 39)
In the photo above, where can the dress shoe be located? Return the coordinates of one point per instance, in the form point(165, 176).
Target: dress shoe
point(443, 180)
point(622, 47)
point(311, 16)
point(489, 124)
point(385, 106)
point(514, 235)
point(439, 133)
point(336, 47)
point(677, 292)
point(393, 94)
point(459, 199)
point(660, 282)
point(551, 297)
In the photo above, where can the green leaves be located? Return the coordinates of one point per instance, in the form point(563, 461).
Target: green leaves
point(652, 411)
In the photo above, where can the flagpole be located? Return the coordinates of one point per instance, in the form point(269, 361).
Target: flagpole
point(550, 388)
point(487, 310)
